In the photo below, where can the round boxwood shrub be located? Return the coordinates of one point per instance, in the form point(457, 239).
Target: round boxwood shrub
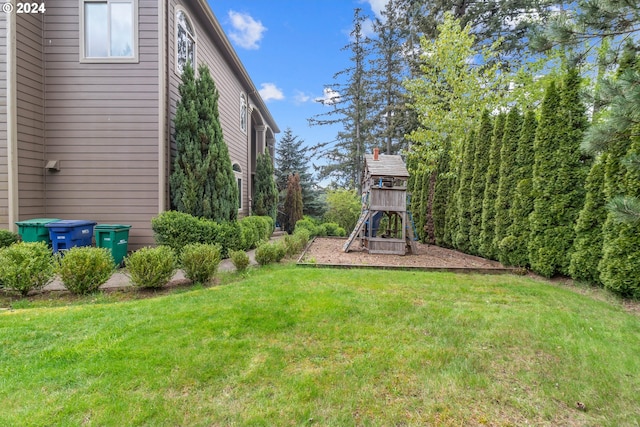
point(83, 269)
point(7, 238)
point(151, 267)
point(200, 262)
point(240, 260)
point(25, 266)
point(268, 253)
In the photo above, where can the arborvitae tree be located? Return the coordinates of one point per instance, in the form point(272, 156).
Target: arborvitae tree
point(463, 195)
point(587, 247)
point(293, 203)
point(558, 178)
point(202, 182)
point(487, 228)
point(620, 265)
point(480, 164)
point(444, 181)
point(513, 249)
point(266, 192)
point(508, 176)
point(422, 224)
point(451, 213)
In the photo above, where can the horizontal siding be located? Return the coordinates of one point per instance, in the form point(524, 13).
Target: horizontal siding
point(30, 115)
point(4, 179)
point(102, 126)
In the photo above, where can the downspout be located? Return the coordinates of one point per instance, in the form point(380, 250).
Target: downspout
point(163, 35)
point(12, 123)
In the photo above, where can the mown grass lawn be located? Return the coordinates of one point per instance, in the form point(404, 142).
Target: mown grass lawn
point(294, 346)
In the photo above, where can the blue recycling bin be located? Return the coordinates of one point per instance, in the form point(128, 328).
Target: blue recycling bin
point(66, 234)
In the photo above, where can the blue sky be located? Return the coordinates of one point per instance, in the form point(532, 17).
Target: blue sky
point(291, 49)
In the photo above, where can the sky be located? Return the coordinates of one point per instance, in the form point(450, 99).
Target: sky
point(291, 49)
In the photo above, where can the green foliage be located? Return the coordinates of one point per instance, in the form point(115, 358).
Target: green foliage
point(492, 178)
point(7, 238)
point(587, 246)
point(26, 266)
point(200, 262)
point(265, 201)
point(177, 229)
point(151, 267)
point(463, 197)
point(483, 142)
point(295, 243)
point(444, 182)
point(343, 208)
point(332, 229)
point(507, 182)
point(202, 182)
point(425, 220)
point(83, 269)
point(293, 203)
point(269, 253)
point(240, 260)
point(310, 225)
point(255, 229)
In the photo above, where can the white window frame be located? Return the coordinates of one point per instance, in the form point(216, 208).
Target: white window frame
point(244, 113)
point(109, 59)
point(237, 171)
point(193, 36)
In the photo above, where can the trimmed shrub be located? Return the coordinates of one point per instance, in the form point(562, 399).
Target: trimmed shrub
point(240, 260)
point(7, 238)
point(200, 262)
point(151, 267)
point(332, 229)
point(25, 266)
point(295, 243)
point(268, 253)
point(83, 269)
point(309, 225)
point(254, 230)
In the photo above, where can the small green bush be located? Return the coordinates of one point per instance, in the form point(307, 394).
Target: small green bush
point(200, 262)
point(151, 267)
point(240, 260)
point(268, 253)
point(7, 238)
point(25, 266)
point(295, 243)
point(83, 269)
point(309, 225)
point(332, 229)
point(304, 236)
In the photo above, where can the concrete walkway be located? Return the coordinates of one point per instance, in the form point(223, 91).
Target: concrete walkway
point(119, 280)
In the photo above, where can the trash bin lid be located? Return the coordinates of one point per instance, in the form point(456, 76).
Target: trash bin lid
point(70, 223)
point(115, 227)
point(37, 221)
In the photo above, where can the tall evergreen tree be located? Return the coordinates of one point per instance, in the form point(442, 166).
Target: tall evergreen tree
point(463, 196)
point(488, 219)
point(508, 176)
point(444, 181)
point(293, 203)
point(202, 182)
point(484, 139)
point(266, 192)
point(587, 247)
point(513, 249)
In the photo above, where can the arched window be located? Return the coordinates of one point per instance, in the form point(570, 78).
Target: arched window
point(185, 42)
point(238, 172)
point(243, 113)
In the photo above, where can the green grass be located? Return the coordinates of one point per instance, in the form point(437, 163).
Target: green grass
point(300, 346)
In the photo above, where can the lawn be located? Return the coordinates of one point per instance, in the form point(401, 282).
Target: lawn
point(286, 345)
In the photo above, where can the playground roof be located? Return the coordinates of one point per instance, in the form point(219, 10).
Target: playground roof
point(386, 165)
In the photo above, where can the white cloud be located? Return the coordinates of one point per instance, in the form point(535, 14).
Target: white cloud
point(270, 91)
point(301, 97)
point(329, 97)
point(377, 6)
point(247, 32)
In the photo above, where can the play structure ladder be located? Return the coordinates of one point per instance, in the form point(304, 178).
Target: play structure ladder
point(356, 230)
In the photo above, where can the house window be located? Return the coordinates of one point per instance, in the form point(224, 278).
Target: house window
point(243, 113)
point(238, 172)
point(109, 30)
point(185, 42)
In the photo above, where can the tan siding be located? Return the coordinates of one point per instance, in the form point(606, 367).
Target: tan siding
point(4, 181)
point(102, 125)
point(228, 85)
point(30, 115)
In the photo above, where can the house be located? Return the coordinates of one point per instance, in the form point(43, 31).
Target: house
point(88, 90)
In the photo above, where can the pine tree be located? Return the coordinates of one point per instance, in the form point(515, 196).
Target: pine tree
point(508, 177)
point(488, 220)
point(202, 182)
point(293, 203)
point(513, 249)
point(587, 247)
point(266, 193)
point(463, 196)
point(484, 139)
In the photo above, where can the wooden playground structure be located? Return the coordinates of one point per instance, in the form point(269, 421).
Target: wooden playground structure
point(385, 225)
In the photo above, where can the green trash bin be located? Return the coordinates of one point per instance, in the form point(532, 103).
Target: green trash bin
point(114, 237)
point(35, 230)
